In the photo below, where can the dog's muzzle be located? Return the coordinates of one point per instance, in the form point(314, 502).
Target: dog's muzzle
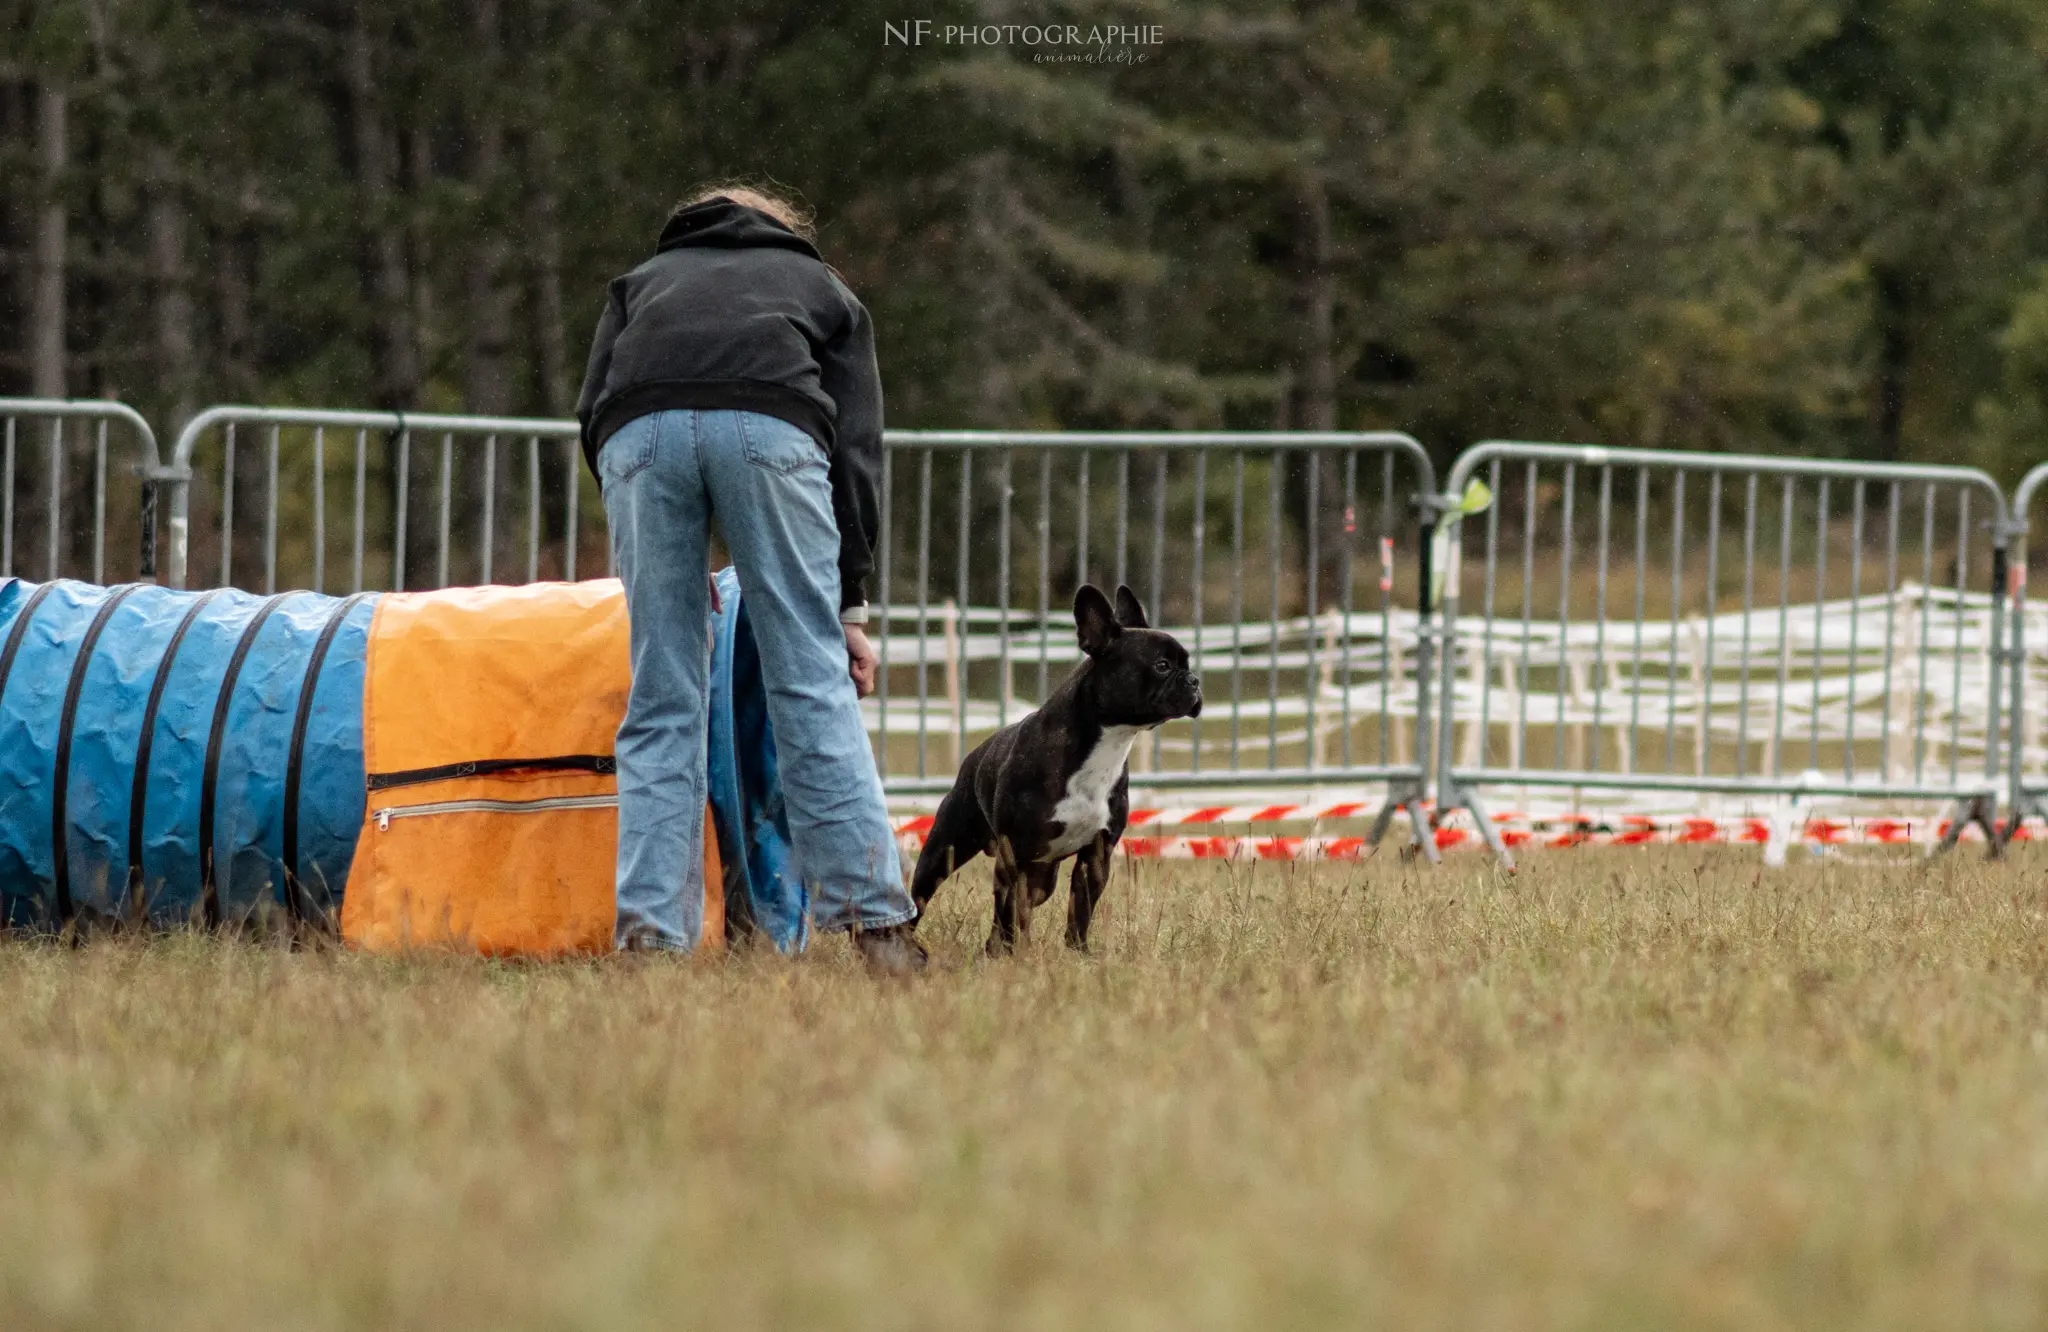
point(1193, 689)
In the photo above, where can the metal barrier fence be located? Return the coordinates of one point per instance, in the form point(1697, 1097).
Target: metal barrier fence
point(1852, 656)
point(1314, 665)
point(427, 501)
point(58, 453)
point(2027, 676)
point(1272, 556)
point(1626, 625)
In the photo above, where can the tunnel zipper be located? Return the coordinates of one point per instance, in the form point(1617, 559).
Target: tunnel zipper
point(384, 816)
point(602, 764)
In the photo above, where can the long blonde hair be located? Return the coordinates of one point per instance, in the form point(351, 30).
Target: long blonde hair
point(789, 211)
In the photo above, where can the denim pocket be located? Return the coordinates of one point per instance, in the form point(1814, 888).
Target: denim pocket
point(629, 450)
point(776, 444)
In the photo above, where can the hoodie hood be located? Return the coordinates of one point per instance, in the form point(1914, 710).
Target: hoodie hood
point(720, 223)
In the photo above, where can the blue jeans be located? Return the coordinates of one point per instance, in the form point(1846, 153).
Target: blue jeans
point(664, 476)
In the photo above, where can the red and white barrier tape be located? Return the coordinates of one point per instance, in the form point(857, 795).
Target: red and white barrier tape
point(1141, 839)
point(1212, 814)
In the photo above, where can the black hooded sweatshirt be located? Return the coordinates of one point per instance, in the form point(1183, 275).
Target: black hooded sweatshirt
point(736, 311)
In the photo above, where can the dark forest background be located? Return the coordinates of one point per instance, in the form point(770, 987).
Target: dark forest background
point(1784, 225)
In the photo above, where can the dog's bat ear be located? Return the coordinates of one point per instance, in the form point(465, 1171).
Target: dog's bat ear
point(1095, 620)
point(1130, 612)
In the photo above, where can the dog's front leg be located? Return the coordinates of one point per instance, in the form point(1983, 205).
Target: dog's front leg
point(1085, 887)
point(1019, 887)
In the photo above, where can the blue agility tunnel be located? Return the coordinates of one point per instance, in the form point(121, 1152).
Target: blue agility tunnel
point(172, 755)
point(762, 891)
point(199, 757)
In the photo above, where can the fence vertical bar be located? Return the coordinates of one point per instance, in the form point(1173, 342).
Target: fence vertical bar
point(1920, 690)
point(1346, 575)
point(54, 522)
point(1083, 515)
point(1677, 614)
point(270, 514)
point(1704, 745)
point(1600, 611)
point(227, 506)
point(572, 506)
point(1158, 587)
point(1273, 617)
point(1564, 606)
point(1003, 496)
point(1748, 608)
point(2022, 801)
point(319, 508)
point(401, 507)
point(1635, 690)
point(1785, 507)
point(533, 509)
point(960, 621)
point(7, 507)
point(887, 621)
point(1383, 540)
point(487, 546)
point(362, 485)
point(1044, 573)
point(1521, 746)
point(1123, 510)
point(1157, 600)
point(1999, 537)
point(1955, 733)
point(447, 496)
point(924, 605)
point(1891, 603)
point(1820, 595)
point(1312, 576)
point(1236, 600)
point(1195, 581)
point(1450, 689)
point(99, 503)
point(1855, 607)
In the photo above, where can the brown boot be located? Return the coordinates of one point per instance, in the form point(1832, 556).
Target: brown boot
point(891, 951)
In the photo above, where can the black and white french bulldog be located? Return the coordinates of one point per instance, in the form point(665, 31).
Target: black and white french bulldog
point(1057, 783)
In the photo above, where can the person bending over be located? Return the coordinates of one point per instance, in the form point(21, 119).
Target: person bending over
point(733, 373)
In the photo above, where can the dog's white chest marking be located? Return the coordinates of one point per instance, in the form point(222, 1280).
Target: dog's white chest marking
point(1084, 810)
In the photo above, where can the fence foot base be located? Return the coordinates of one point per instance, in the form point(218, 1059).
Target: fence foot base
point(1981, 810)
point(2028, 805)
point(1465, 798)
point(1408, 797)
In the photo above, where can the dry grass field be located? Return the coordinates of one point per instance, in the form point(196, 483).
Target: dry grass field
point(1621, 1090)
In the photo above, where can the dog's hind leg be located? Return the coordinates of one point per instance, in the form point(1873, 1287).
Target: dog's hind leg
point(1002, 936)
point(1085, 887)
point(959, 834)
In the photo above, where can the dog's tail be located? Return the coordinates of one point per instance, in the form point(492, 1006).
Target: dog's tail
point(959, 834)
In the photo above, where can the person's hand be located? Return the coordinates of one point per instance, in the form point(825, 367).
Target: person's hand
point(861, 661)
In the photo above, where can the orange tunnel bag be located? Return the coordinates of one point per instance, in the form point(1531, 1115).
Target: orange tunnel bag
point(512, 862)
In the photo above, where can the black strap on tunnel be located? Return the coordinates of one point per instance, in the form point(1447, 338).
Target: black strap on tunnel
point(215, 738)
point(598, 763)
point(301, 723)
point(74, 690)
point(19, 632)
point(139, 795)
